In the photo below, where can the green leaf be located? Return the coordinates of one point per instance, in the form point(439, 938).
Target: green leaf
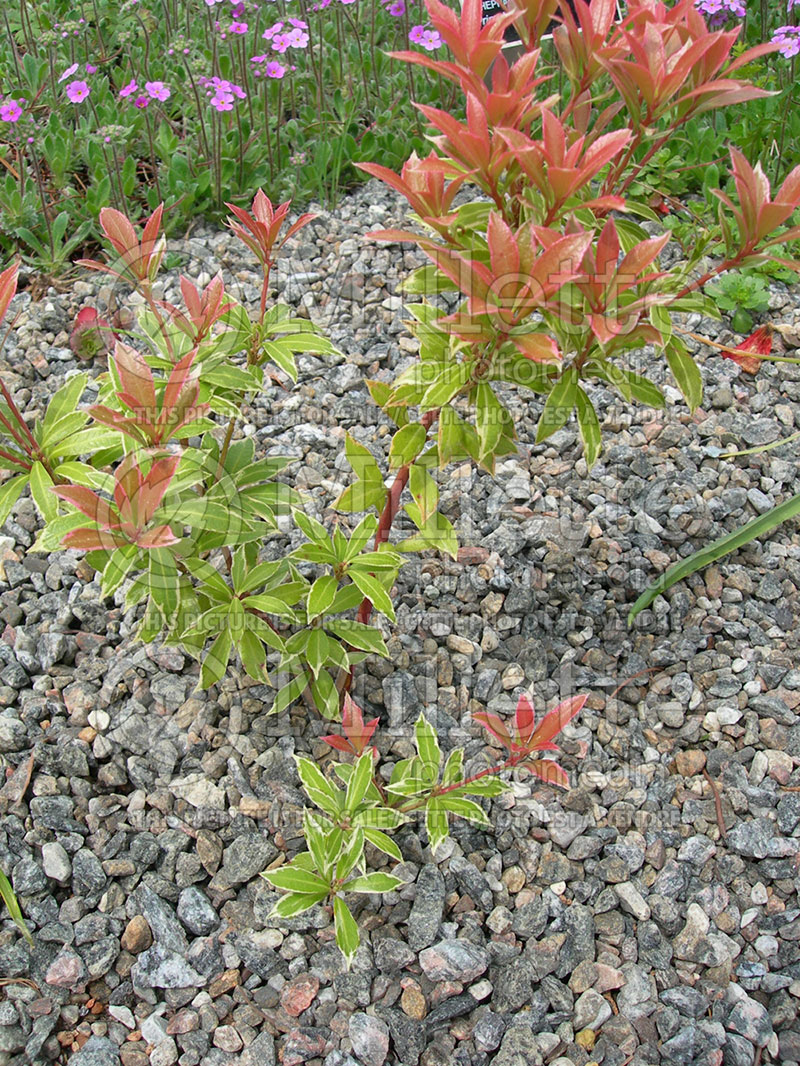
point(436, 823)
point(8, 897)
point(361, 496)
point(325, 695)
point(119, 565)
point(315, 835)
point(82, 474)
point(10, 492)
point(297, 903)
point(559, 405)
point(41, 490)
point(360, 536)
point(252, 654)
point(490, 416)
point(464, 807)
point(216, 661)
point(454, 767)
point(383, 843)
point(374, 591)
point(239, 568)
point(262, 575)
point(452, 379)
point(314, 530)
point(210, 577)
point(347, 937)
point(85, 442)
point(49, 539)
point(731, 542)
point(456, 439)
point(685, 372)
point(589, 426)
point(662, 320)
point(428, 747)
point(318, 789)
point(268, 604)
point(321, 596)
point(378, 817)
point(374, 882)
point(61, 430)
point(407, 443)
point(408, 778)
point(437, 533)
point(362, 461)
point(383, 560)
point(65, 400)
point(644, 390)
point(485, 786)
point(424, 491)
point(427, 280)
point(359, 782)
point(204, 513)
point(358, 635)
point(281, 355)
point(294, 878)
point(316, 652)
point(164, 582)
point(289, 693)
point(351, 855)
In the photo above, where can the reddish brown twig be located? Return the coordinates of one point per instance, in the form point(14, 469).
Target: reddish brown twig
point(627, 681)
point(717, 804)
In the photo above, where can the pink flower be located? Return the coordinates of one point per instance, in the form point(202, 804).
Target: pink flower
point(788, 37)
point(296, 38)
point(222, 102)
point(141, 101)
point(77, 91)
point(129, 89)
point(10, 111)
point(397, 9)
point(300, 25)
point(237, 27)
point(68, 73)
point(431, 40)
point(274, 69)
point(158, 90)
point(90, 69)
point(270, 33)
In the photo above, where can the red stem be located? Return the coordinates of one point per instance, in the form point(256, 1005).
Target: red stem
point(389, 513)
point(16, 459)
point(21, 421)
point(442, 790)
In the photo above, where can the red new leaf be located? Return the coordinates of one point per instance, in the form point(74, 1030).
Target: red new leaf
point(552, 723)
point(357, 732)
point(760, 342)
point(8, 287)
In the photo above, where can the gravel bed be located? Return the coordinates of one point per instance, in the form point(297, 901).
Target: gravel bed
point(648, 915)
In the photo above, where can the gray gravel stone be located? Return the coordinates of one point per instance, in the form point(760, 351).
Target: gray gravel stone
point(426, 913)
point(370, 1039)
point(195, 911)
point(453, 960)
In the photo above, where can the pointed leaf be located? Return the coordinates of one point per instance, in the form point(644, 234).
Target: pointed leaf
point(347, 936)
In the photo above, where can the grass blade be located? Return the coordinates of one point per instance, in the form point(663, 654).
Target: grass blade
point(764, 523)
point(10, 900)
